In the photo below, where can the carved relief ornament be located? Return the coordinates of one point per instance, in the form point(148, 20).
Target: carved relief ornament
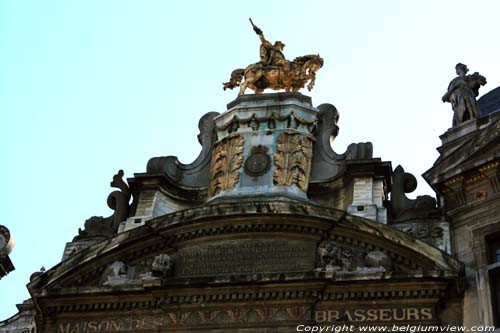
point(226, 163)
point(293, 160)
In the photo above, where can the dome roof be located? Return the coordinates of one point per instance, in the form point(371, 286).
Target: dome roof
point(490, 102)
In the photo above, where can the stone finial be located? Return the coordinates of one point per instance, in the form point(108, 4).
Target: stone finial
point(98, 226)
point(195, 174)
point(462, 92)
point(403, 208)
point(326, 162)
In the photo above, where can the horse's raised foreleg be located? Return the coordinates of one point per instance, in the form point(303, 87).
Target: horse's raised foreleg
point(313, 81)
point(243, 86)
point(250, 80)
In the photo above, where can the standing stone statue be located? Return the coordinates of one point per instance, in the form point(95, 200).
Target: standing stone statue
point(462, 93)
point(270, 55)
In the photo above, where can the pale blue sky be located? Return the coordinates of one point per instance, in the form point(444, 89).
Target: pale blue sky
point(90, 87)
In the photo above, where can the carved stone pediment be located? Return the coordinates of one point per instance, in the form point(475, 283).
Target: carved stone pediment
point(242, 242)
point(250, 263)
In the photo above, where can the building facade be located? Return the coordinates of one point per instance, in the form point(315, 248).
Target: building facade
point(270, 230)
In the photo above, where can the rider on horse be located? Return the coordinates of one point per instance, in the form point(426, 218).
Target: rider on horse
point(274, 71)
point(271, 55)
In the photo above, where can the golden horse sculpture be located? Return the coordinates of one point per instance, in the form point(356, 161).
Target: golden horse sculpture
point(259, 77)
point(274, 71)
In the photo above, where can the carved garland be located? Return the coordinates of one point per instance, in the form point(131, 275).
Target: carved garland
point(226, 163)
point(293, 160)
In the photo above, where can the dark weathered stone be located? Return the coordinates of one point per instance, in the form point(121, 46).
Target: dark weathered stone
point(276, 97)
point(247, 263)
point(327, 164)
point(195, 174)
point(259, 162)
point(462, 93)
point(258, 248)
point(404, 209)
point(489, 102)
point(466, 176)
point(6, 245)
point(100, 227)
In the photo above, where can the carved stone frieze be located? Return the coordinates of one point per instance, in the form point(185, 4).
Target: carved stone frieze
point(226, 163)
point(135, 272)
point(292, 160)
point(171, 317)
point(332, 257)
point(263, 121)
point(116, 274)
point(162, 265)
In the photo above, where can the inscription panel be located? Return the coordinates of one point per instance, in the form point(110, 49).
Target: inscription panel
point(278, 316)
point(376, 315)
point(245, 256)
point(436, 234)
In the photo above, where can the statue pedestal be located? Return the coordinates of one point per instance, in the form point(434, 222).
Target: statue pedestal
point(264, 147)
point(459, 131)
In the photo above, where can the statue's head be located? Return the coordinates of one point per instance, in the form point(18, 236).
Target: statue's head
point(279, 45)
point(461, 68)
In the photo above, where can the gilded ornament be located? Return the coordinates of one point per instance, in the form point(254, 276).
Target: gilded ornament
point(274, 71)
point(293, 160)
point(226, 163)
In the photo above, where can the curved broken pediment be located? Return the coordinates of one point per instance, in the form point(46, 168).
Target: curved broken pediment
point(232, 242)
point(195, 174)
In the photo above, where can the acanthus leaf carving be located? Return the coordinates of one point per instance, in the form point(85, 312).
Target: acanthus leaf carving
point(297, 312)
point(178, 318)
point(293, 160)
point(237, 315)
point(208, 316)
point(226, 163)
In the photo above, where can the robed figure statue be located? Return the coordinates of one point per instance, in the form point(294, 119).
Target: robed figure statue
point(462, 93)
